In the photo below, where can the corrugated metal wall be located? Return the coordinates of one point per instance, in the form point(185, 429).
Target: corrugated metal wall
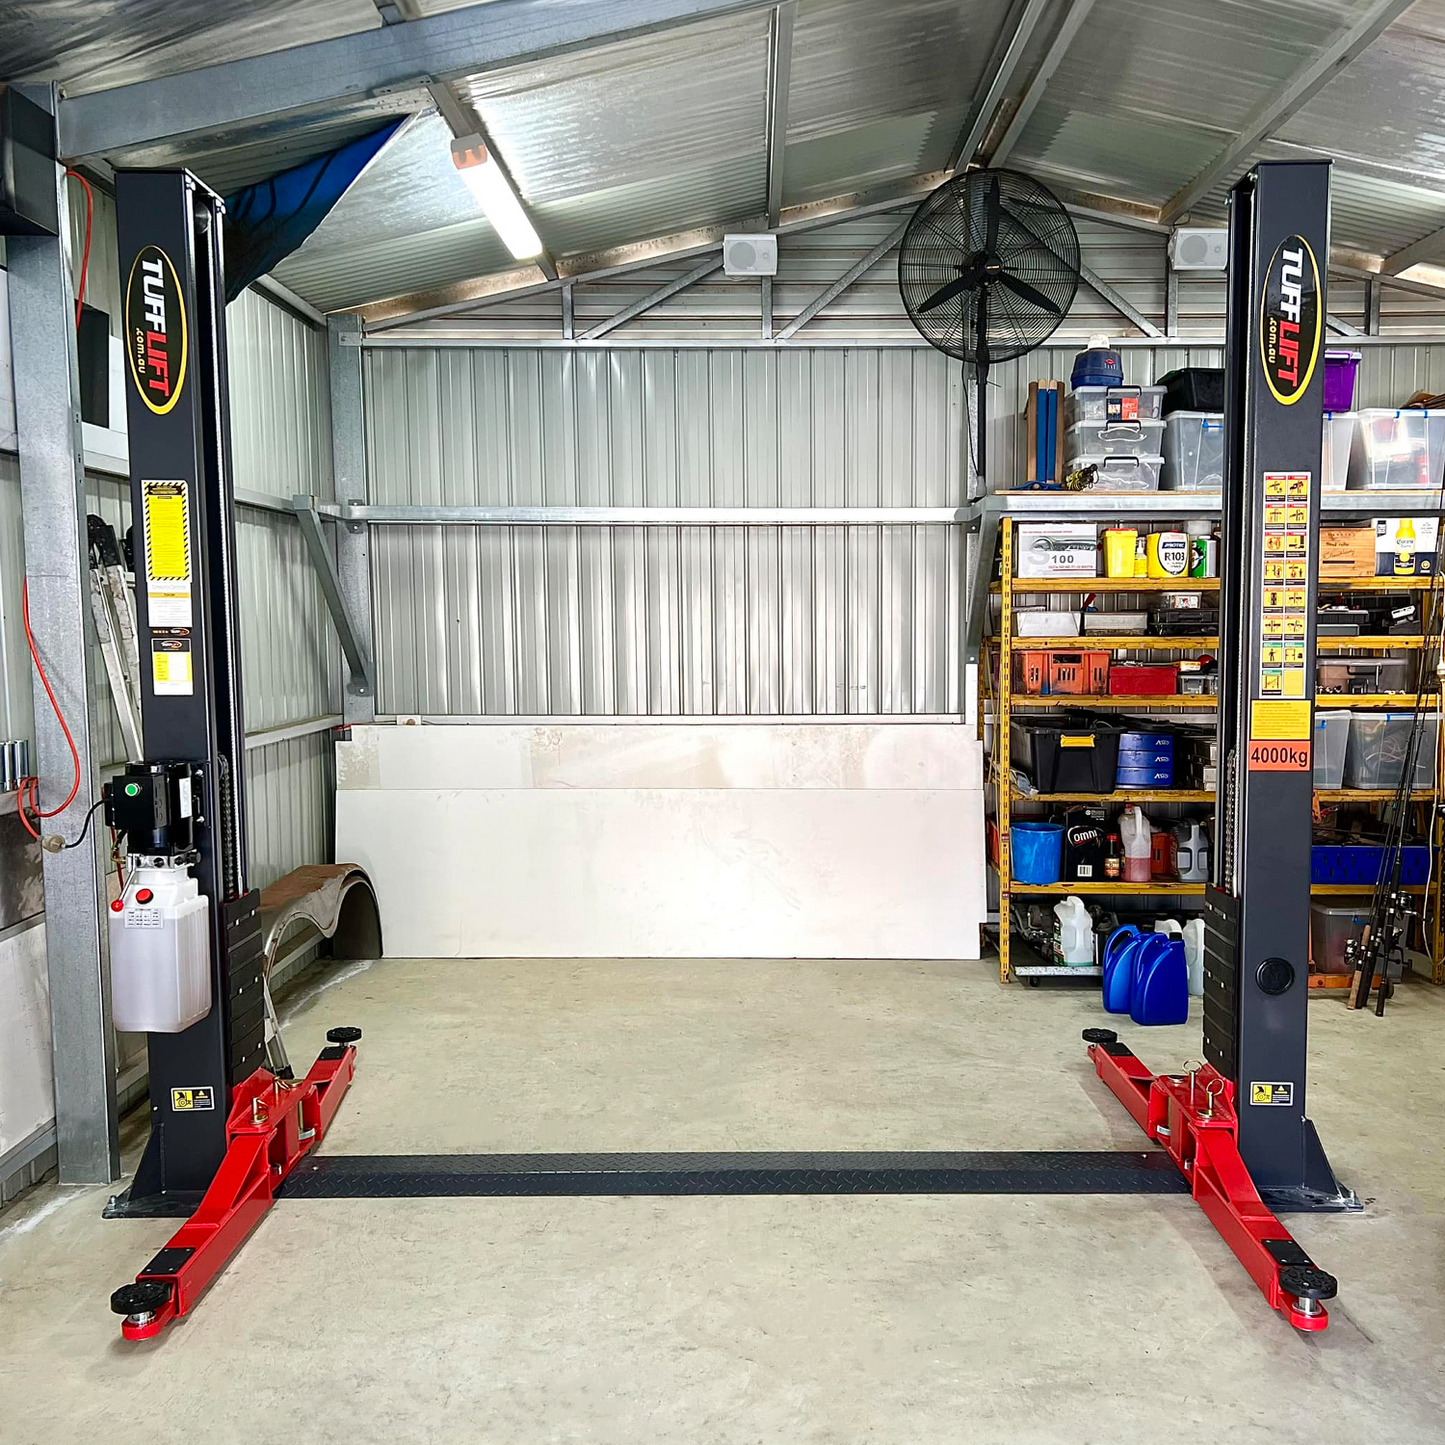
point(704, 621)
point(677, 620)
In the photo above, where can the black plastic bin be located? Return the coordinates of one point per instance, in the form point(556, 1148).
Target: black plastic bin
point(1193, 388)
point(1072, 754)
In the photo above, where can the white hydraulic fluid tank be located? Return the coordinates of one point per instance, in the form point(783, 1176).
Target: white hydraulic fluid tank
point(160, 952)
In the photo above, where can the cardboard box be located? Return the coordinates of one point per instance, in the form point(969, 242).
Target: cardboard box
point(1059, 549)
point(1347, 552)
point(1415, 554)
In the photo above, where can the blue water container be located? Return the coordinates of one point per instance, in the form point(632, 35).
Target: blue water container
point(1161, 984)
point(1038, 852)
point(1119, 967)
point(1100, 365)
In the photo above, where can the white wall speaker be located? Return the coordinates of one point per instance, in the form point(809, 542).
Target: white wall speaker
point(750, 255)
point(1199, 248)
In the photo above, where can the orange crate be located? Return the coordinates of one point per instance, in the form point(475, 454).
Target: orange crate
point(1062, 674)
point(1078, 674)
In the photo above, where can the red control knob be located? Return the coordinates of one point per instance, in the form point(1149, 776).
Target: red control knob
point(143, 895)
point(117, 906)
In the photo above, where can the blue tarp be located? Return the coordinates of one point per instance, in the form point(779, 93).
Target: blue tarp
point(266, 222)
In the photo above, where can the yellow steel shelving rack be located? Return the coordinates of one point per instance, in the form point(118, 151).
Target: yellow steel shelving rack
point(995, 680)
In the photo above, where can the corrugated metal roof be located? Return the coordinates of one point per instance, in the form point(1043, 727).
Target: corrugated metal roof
point(666, 132)
point(1151, 90)
point(95, 44)
point(881, 91)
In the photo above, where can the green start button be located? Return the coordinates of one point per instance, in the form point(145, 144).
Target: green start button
point(132, 790)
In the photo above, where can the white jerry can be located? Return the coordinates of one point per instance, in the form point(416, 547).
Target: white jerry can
point(160, 952)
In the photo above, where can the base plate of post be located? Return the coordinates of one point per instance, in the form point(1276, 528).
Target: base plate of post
point(1193, 1116)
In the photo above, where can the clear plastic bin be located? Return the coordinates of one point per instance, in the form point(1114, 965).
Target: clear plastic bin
point(1091, 403)
point(1378, 744)
point(1332, 739)
point(1330, 930)
point(1397, 450)
point(1120, 473)
point(1044, 622)
point(1090, 439)
point(1346, 675)
point(1193, 451)
point(1335, 459)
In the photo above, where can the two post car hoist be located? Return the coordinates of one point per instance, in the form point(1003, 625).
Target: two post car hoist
point(227, 1134)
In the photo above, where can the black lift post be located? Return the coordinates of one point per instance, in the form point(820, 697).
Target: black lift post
point(1257, 906)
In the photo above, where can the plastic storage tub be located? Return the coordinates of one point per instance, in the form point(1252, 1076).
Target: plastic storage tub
point(1193, 451)
point(1330, 930)
point(1340, 368)
point(1121, 473)
point(1335, 456)
point(1378, 743)
point(1090, 439)
point(1114, 403)
point(1037, 851)
point(1332, 739)
point(1079, 756)
point(1397, 450)
point(1361, 864)
point(1193, 388)
point(1044, 622)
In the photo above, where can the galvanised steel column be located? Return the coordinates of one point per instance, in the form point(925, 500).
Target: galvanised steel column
point(353, 539)
point(52, 487)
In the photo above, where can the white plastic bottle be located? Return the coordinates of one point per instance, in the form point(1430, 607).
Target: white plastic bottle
point(160, 952)
point(1192, 853)
point(1136, 833)
point(1073, 933)
point(1194, 954)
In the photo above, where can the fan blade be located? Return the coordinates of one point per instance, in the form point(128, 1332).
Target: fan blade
point(945, 294)
point(991, 211)
point(1025, 292)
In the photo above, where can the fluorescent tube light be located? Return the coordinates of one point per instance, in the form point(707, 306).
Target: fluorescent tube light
point(485, 179)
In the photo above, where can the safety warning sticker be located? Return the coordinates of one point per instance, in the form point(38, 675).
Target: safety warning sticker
point(186, 1101)
point(1280, 729)
point(168, 554)
point(171, 674)
point(1271, 1093)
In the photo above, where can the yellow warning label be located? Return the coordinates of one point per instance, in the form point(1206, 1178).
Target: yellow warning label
point(168, 537)
point(1294, 571)
point(1295, 597)
point(186, 1101)
point(1274, 484)
point(1279, 721)
point(1294, 684)
point(1272, 655)
point(1277, 1094)
point(1273, 570)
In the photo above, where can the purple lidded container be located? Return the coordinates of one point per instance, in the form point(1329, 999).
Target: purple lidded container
point(1340, 367)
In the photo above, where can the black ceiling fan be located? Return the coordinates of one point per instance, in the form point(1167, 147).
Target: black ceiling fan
point(988, 268)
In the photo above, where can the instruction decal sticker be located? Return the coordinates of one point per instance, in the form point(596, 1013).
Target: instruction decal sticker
point(187, 1101)
point(1281, 729)
point(168, 555)
point(1271, 1094)
point(156, 337)
point(1290, 320)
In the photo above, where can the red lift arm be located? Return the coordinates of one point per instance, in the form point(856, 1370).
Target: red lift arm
point(273, 1124)
point(1192, 1115)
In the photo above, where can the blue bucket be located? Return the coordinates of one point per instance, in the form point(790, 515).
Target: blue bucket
point(1038, 852)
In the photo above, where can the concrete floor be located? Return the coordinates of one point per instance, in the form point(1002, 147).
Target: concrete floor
point(937, 1319)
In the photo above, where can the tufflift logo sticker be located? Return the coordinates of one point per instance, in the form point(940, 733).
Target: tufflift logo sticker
point(1290, 319)
point(155, 330)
